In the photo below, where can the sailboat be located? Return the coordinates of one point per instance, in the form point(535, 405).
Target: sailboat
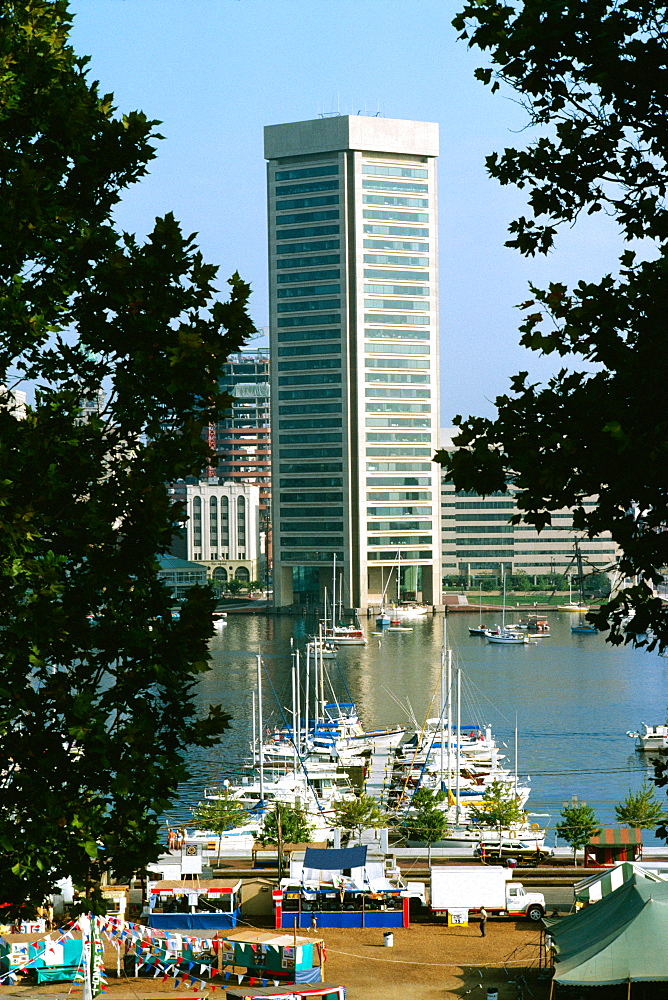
point(575, 605)
point(504, 636)
point(343, 635)
point(478, 629)
point(405, 609)
point(584, 628)
point(383, 618)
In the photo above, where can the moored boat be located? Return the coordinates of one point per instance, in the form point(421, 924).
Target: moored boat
point(503, 637)
point(650, 737)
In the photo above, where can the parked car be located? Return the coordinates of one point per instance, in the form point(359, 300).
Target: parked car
point(495, 852)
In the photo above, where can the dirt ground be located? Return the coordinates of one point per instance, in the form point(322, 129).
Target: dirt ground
point(427, 962)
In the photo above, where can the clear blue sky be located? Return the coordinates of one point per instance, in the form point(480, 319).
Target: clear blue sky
point(214, 72)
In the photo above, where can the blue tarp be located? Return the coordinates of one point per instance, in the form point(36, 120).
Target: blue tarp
point(330, 860)
point(194, 921)
point(308, 975)
point(317, 920)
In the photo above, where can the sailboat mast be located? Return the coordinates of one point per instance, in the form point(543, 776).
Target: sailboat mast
point(306, 689)
point(260, 727)
point(294, 712)
point(254, 733)
point(443, 654)
point(298, 703)
point(515, 754)
point(459, 728)
point(448, 685)
point(322, 682)
point(317, 665)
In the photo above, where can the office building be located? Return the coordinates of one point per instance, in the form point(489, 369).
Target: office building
point(352, 205)
point(221, 529)
point(242, 440)
point(479, 541)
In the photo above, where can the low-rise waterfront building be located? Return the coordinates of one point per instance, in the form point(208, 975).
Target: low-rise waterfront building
point(180, 575)
point(221, 529)
point(479, 539)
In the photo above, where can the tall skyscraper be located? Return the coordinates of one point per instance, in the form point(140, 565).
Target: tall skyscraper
point(354, 359)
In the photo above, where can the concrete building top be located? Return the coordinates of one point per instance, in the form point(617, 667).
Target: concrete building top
point(445, 436)
point(327, 135)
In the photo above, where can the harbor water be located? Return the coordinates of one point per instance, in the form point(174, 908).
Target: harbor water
point(572, 698)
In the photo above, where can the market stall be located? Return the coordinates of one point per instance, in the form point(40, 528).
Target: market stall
point(337, 888)
point(613, 844)
point(195, 905)
point(267, 955)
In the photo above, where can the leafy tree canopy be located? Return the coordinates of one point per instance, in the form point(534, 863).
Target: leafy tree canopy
point(499, 806)
point(592, 78)
point(641, 809)
point(578, 824)
point(426, 822)
point(286, 825)
point(360, 813)
point(219, 816)
point(97, 682)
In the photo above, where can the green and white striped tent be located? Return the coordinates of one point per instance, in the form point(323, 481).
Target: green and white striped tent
point(591, 889)
point(620, 940)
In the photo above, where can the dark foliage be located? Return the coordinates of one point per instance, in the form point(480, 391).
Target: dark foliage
point(97, 682)
point(593, 77)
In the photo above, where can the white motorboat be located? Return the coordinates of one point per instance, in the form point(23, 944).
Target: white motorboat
point(409, 611)
point(219, 619)
point(346, 635)
point(650, 738)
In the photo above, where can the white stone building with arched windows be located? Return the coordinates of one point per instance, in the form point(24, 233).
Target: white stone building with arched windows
point(221, 529)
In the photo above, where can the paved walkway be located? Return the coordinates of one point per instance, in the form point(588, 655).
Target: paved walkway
point(380, 775)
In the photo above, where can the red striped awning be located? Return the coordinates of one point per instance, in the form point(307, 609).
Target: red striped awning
point(617, 836)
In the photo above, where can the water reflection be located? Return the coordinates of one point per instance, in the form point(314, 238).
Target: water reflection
point(573, 698)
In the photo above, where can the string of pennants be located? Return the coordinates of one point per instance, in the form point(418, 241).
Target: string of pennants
point(182, 970)
point(66, 934)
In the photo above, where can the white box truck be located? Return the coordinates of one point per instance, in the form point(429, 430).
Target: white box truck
point(466, 887)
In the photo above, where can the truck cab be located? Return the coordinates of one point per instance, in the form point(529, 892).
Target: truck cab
point(521, 903)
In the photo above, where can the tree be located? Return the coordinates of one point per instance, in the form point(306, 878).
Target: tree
point(426, 822)
point(499, 806)
point(285, 824)
point(641, 809)
point(97, 681)
point(219, 816)
point(360, 813)
point(591, 77)
point(579, 825)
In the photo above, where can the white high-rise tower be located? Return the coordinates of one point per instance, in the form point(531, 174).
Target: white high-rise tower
point(354, 359)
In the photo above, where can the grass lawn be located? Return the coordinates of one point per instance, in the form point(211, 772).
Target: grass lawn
point(521, 597)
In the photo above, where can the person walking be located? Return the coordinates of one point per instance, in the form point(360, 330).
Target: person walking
point(483, 922)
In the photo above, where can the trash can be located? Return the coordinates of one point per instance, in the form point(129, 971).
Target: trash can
point(388, 939)
point(492, 993)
